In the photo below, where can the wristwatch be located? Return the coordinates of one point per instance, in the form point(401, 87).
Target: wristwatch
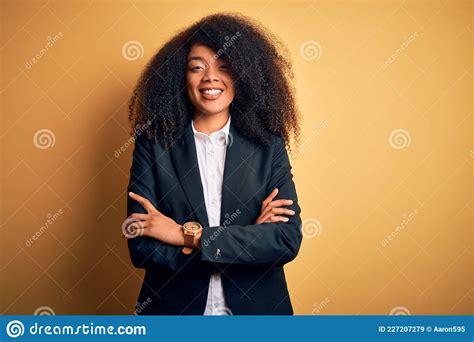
point(190, 230)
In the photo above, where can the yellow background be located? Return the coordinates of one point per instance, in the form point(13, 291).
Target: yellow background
point(385, 93)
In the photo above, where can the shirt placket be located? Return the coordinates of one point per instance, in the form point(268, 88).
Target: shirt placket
point(209, 160)
point(212, 182)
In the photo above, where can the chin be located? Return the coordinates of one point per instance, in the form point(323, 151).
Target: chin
point(211, 110)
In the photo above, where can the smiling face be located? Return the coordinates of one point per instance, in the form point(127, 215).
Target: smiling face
point(209, 82)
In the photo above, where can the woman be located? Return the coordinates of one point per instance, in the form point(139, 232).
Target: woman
point(212, 209)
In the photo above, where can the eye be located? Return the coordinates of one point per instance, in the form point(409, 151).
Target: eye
point(224, 66)
point(196, 68)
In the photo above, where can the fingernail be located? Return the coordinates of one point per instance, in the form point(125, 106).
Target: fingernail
point(291, 201)
point(131, 193)
point(286, 219)
point(292, 212)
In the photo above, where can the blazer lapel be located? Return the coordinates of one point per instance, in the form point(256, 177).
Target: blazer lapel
point(239, 155)
point(184, 157)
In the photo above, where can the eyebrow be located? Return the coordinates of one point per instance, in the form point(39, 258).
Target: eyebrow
point(196, 58)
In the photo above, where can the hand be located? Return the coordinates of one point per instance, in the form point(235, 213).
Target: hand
point(272, 209)
point(154, 224)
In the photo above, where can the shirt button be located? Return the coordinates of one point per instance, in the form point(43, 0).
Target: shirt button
point(213, 201)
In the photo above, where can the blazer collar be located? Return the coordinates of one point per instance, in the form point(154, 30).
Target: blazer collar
point(238, 154)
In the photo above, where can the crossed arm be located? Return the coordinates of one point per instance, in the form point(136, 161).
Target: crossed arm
point(157, 240)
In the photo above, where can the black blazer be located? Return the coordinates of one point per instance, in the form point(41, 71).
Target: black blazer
point(249, 256)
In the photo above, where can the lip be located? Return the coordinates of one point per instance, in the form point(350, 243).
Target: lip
point(209, 96)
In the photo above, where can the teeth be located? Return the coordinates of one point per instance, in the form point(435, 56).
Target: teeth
point(212, 91)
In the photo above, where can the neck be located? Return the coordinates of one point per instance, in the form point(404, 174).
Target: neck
point(208, 124)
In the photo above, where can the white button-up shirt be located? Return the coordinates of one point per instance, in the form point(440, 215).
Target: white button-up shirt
point(211, 151)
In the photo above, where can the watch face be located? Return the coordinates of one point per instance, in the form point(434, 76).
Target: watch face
point(192, 226)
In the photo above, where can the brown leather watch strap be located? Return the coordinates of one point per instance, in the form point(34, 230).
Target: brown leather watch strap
point(188, 244)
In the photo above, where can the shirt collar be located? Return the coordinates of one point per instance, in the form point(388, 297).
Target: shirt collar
point(224, 130)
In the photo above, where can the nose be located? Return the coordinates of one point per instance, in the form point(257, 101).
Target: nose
point(210, 74)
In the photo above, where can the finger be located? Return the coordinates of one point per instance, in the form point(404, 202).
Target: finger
point(269, 198)
point(133, 226)
point(273, 211)
point(281, 211)
point(278, 219)
point(140, 220)
point(268, 217)
point(267, 211)
point(271, 219)
point(280, 203)
point(139, 216)
point(146, 204)
point(136, 233)
point(145, 224)
point(277, 203)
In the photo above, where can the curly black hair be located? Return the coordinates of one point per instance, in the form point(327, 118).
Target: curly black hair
point(264, 102)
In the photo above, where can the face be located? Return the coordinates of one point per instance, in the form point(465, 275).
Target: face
point(209, 82)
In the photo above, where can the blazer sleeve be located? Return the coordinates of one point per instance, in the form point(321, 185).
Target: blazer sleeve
point(269, 243)
point(146, 252)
